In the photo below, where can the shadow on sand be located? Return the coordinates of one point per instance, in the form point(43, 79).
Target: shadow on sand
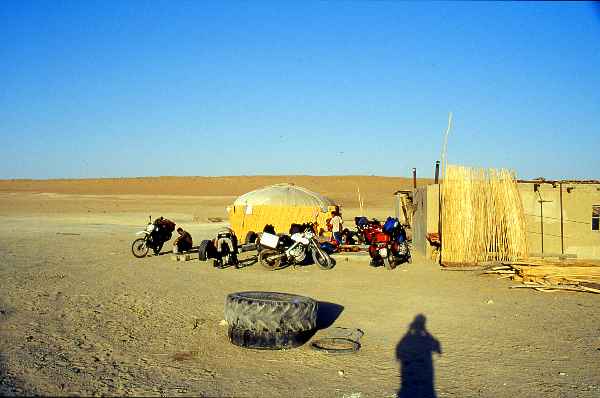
point(327, 314)
point(414, 353)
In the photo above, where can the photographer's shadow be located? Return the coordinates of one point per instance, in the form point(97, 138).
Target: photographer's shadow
point(414, 353)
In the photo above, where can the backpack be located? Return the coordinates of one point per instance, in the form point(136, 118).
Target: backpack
point(361, 221)
point(390, 225)
point(165, 224)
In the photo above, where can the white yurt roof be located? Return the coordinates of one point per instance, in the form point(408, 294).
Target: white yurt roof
point(283, 195)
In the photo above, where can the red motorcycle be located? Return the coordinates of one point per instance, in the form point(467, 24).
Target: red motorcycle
point(387, 243)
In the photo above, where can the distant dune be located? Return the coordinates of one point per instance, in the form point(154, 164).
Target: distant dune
point(373, 188)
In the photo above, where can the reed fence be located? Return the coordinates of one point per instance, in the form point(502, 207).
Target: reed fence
point(482, 217)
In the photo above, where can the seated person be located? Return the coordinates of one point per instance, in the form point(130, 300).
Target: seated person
point(183, 242)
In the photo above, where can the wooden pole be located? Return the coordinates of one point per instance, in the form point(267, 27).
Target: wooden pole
point(562, 238)
point(414, 171)
point(445, 145)
point(542, 222)
point(360, 202)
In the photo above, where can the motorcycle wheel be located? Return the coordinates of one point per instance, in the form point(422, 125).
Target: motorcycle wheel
point(139, 248)
point(389, 261)
point(323, 259)
point(270, 259)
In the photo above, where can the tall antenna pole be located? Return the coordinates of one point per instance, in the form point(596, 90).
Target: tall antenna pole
point(445, 146)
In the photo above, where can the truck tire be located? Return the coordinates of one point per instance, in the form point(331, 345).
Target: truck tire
point(205, 250)
point(270, 320)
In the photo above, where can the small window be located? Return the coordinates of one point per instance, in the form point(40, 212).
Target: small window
point(596, 218)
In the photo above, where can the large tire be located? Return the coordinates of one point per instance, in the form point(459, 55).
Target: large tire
point(267, 260)
point(270, 320)
point(322, 259)
point(250, 237)
point(205, 250)
point(139, 248)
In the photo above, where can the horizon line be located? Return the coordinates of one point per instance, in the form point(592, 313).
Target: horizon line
point(199, 176)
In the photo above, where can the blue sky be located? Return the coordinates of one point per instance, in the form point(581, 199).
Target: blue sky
point(136, 88)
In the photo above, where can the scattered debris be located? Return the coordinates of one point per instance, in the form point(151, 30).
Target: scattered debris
point(223, 322)
point(550, 276)
point(339, 341)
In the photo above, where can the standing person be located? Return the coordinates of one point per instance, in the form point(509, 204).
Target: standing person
point(336, 226)
point(183, 242)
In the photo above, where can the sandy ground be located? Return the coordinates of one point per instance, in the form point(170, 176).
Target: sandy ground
point(79, 315)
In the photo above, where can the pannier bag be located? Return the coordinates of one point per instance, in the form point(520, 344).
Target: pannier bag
point(390, 225)
point(164, 224)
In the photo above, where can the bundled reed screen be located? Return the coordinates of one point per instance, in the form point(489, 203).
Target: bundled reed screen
point(482, 216)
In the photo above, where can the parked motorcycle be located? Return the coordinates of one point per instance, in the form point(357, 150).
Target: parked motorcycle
point(367, 230)
point(223, 249)
point(281, 251)
point(388, 245)
point(154, 237)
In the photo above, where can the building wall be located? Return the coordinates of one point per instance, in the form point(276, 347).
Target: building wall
point(578, 237)
point(425, 218)
point(577, 200)
point(419, 225)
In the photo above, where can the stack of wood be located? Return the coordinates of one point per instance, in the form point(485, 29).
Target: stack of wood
point(544, 275)
point(482, 217)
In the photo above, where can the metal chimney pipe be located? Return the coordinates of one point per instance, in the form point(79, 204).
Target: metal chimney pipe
point(437, 171)
point(414, 177)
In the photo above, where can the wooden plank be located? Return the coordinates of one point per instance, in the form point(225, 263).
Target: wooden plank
point(558, 255)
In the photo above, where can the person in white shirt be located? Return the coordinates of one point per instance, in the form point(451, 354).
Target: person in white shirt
point(336, 226)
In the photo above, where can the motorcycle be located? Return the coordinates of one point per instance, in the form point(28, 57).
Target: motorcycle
point(154, 236)
point(280, 251)
point(387, 244)
point(223, 249)
point(367, 230)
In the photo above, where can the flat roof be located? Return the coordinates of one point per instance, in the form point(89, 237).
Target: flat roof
point(544, 181)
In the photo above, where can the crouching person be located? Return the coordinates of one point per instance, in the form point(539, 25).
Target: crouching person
point(183, 243)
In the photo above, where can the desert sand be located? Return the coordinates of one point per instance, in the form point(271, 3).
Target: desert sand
point(79, 315)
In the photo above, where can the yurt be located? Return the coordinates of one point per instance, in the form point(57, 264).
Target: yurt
point(280, 205)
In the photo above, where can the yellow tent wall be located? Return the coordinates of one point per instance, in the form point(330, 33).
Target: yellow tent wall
point(254, 218)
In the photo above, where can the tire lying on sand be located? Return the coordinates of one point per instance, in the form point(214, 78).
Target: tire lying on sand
point(250, 237)
point(270, 320)
point(205, 250)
